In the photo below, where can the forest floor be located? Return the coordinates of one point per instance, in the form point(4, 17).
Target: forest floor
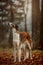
point(6, 58)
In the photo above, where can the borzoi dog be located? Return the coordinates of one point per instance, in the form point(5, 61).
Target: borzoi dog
point(21, 40)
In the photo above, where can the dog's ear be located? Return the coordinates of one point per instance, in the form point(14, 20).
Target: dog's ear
point(8, 23)
point(16, 26)
point(13, 26)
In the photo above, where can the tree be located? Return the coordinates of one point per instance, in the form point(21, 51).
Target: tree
point(26, 12)
point(3, 18)
point(35, 23)
point(3, 22)
point(41, 29)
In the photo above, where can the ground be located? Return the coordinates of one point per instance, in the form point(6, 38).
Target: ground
point(6, 58)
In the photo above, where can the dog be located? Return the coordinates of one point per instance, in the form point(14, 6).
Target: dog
point(21, 40)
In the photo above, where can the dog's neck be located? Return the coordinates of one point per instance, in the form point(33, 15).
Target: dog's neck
point(14, 30)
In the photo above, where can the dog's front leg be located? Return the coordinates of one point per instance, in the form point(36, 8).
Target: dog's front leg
point(19, 54)
point(14, 55)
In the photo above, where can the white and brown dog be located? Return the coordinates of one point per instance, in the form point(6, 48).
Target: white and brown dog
point(21, 40)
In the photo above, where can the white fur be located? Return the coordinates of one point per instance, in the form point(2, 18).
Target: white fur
point(16, 42)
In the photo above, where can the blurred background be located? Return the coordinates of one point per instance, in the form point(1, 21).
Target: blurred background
point(27, 14)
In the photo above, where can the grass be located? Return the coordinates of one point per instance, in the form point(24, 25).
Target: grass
point(11, 50)
point(38, 51)
point(6, 49)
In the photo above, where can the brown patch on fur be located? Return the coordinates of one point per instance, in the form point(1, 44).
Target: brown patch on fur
point(25, 36)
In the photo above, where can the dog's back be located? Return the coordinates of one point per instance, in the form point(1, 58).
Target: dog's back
point(25, 36)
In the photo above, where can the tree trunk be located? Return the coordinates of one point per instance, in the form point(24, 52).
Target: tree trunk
point(25, 23)
point(35, 23)
point(41, 30)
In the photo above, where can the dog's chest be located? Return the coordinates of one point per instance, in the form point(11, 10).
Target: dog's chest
point(16, 36)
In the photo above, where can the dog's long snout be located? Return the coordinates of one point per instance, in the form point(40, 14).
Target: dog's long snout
point(10, 24)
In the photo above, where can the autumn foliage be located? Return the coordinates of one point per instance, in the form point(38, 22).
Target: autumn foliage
point(6, 58)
